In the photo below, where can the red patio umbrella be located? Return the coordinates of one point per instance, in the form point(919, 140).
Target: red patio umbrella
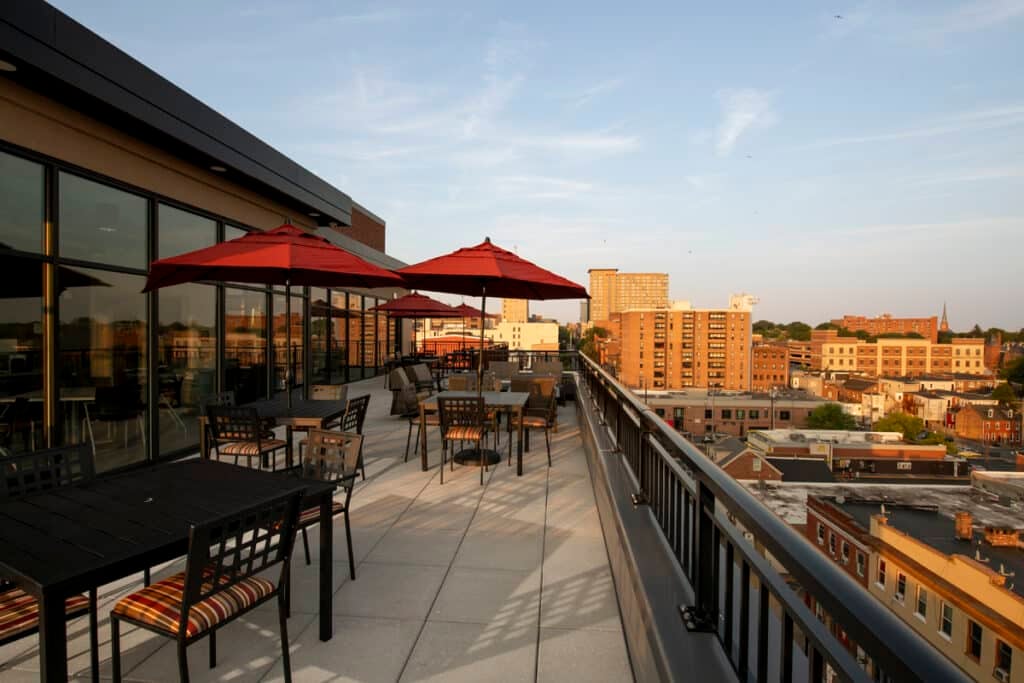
point(414, 306)
point(485, 270)
point(286, 255)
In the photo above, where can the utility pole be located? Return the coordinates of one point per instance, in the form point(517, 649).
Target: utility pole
point(771, 398)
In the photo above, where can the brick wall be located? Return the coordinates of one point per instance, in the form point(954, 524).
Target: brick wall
point(366, 229)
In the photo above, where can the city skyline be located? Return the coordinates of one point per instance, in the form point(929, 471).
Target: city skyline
point(865, 163)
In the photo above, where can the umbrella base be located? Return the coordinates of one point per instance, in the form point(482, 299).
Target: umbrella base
point(471, 456)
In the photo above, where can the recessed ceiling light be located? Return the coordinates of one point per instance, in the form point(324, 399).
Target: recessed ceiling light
point(218, 169)
point(7, 66)
point(314, 214)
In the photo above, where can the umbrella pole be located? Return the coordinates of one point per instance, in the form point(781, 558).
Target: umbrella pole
point(288, 342)
point(480, 364)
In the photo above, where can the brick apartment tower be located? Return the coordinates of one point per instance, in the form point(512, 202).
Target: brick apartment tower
point(886, 324)
point(685, 347)
point(614, 292)
point(515, 310)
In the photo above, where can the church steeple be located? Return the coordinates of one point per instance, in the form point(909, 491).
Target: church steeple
point(944, 323)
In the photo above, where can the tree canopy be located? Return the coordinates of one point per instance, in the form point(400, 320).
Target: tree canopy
point(1014, 372)
point(589, 342)
point(770, 330)
point(1005, 394)
point(830, 416)
point(908, 425)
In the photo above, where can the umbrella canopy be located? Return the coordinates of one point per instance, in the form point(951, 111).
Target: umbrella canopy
point(23, 276)
point(489, 270)
point(285, 255)
point(467, 311)
point(417, 306)
point(321, 309)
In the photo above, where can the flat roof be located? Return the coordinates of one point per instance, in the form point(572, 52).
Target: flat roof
point(64, 60)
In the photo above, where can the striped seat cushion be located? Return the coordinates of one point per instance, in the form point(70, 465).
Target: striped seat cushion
point(19, 612)
point(535, 422)
point(464, 433)
point(312, 515)
point(159, 605)
point(251, 447)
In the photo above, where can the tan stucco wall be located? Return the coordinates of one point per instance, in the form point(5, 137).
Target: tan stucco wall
point(45, 126)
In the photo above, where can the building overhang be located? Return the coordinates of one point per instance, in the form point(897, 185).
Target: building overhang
point(61, 59)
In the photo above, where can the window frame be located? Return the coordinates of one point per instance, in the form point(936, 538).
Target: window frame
point(971, 625)
point(943, 620)
point(880, 574)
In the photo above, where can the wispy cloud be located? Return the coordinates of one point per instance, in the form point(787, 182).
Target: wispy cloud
point(969, 175)
point(586, 95)
point(595, 143)
point(975, 16)
point(743, 110)
point(371, 17)
point(894, 229)
point(981, 119)
point(543, 187)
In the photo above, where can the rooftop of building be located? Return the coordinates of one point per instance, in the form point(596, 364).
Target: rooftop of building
point(933, 524)
point(725, 399)
point(834, 436)
point(803, 470)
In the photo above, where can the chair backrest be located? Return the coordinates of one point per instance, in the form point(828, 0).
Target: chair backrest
point(355, 413)
point(21, 475)
point(462, 382)
point(398, 379)
point(234, 547)
point(330, 392)
point(420, 373)
point(503, 369)
point(521, 384)
point(224, 398)
point(542, 394)
point(234, 423)
point(460, 412)
point(332, 456)
point(546, 385)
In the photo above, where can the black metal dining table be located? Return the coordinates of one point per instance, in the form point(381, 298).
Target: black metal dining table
point(65, 541)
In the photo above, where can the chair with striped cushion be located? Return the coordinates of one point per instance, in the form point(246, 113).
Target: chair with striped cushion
point(238, 431)
point(331, 456)
point(23, 475)
point(220, 583)
point(336, 393)
point(541, 409)
point(462, 419)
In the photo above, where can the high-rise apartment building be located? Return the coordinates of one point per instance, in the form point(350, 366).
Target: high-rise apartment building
point(515, 310)
point(680, 347)
point(615, 292)
point(886, 324)
point(769, 367)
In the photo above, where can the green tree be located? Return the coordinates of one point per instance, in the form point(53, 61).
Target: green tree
point(1014, 372)
point(830, 416)
point(908, 425)
point(1005, 394)
point(798, 331)
point(590, 341)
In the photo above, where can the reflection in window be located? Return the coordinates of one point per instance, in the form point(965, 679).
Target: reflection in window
point(341, 321)
point(245, 344)
point(181, 231)
point(293, 359)
point(100, 223)
point(21, 352)
point(186, 360)
point(101, 363)
point(319, 336)
point(355, 337)
point(21, 204)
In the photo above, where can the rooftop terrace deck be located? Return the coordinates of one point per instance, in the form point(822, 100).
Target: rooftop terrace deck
point(509, 581)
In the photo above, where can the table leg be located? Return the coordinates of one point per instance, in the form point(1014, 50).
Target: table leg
point(53, 638)
point(519, 448)
point(288, 448)
point(204, 446)
point(326, 567)
point(423, 439)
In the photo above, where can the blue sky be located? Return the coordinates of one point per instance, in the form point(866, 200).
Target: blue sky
point(861, 165)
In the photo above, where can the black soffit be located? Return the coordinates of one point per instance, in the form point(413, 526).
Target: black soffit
point(62, 59)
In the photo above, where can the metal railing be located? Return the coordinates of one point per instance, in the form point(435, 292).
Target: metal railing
point(712, 525)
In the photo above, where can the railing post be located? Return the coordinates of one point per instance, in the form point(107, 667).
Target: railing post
point(701, 616)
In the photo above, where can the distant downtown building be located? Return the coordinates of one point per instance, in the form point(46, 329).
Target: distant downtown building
point(769, 366)
point(682, 346)
point(515, 310)
point(614, 292)
point(902, 357)
point(887, 324)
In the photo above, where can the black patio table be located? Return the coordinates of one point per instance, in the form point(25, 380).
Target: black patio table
point(58, 543)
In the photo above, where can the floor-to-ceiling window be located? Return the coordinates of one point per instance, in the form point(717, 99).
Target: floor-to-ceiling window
point(319, 336)
point(286, 358)
point(245, 343)
point(101, 362)
point(355, 337)
point(22, 217)
point(186, 334)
